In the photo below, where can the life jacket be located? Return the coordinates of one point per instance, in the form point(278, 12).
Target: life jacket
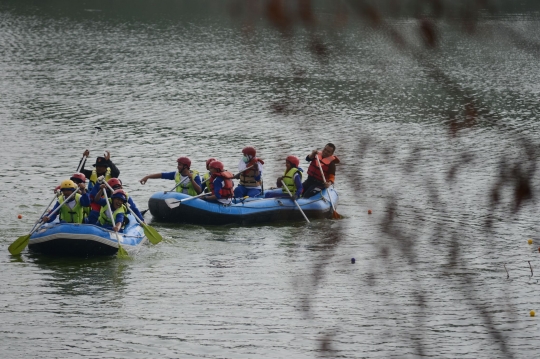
point(288, 179)
point(247, 178)
point(187, 186)
point(314, 171)
point(226, 191)
point(96, 207)
point(94, 176)
point(71, 212)
point(104, 218)
point(206, 178)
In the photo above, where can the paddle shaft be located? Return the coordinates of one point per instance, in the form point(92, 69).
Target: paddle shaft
point(324, 180)
point(294, 200)
point(91, 143)
point(190, 198)
point(178, 184)
point(109, 209)
point(56, 210)
point(46, 208)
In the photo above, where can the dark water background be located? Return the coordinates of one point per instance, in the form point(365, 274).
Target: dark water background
point(168, 79)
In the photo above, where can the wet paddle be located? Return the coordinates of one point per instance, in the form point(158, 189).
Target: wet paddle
point(20, 243)
point(91, 143)
point(294, 200)
point(334, 213)
point(153, 236)
point(173, 203)
point(122, 253)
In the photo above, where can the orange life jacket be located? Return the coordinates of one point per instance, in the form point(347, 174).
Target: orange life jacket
point(314, 171)
point(226, 191)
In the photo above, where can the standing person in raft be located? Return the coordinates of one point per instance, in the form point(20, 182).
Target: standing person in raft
point(103, 167)
point(72, 211)
point(250, 168)
point(187, 180)
point(315, 183)
point(292, 179)
point(220, 184)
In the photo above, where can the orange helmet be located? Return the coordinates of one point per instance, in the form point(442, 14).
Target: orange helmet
point(114, 182)
point(250, 151)
point(293, 160)
point(185, 161)
point(78, 177)
point(217, 165)
point(210, 160)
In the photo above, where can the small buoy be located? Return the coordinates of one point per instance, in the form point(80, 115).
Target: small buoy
point(369, 211)
point(353, 260)
point(530, 241)
point(532, 313)
point(19, 216)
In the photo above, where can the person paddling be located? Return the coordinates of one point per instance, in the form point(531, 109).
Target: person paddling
point(187, 180)
point(251, 179)
point(116, 183)
point(292, 179)
point(314, 183)
point(72, 211)
point(206, 176)
point(220, 184)
point(118, 209)
point(103, 167)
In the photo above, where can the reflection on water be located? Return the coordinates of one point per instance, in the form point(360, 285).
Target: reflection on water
point(165, 80)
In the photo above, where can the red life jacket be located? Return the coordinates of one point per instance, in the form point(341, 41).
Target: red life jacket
point(226, 191)
point(247, 178)
point(314, 171)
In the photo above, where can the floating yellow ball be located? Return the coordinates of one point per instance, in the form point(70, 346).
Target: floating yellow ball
point(532, 313)
point(530, 241)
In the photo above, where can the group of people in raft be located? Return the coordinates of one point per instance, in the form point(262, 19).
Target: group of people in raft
point(90, 205)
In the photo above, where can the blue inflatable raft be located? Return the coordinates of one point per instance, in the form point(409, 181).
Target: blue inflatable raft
point(85, 239)
point(241, 211)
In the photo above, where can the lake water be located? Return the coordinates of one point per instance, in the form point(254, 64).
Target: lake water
point(429, 278)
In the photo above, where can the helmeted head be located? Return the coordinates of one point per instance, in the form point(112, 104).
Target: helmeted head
point(216, 165)
point(120, 194)
point(208, 161)
point(78, 178)
point(115, 183)
point(67, 187)
point(293, 160)
point(184, 162)
point(249, 151)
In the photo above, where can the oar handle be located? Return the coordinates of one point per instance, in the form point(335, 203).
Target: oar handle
point(294, 200)
point(197, 196)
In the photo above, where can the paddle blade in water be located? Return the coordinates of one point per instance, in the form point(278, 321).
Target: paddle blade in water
point(172, 203)
point(153, 236)
point(122, 253)
point(19, 245)
point(337, 215)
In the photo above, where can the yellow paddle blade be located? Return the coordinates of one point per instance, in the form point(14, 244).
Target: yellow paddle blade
point(153, 236)
point(122, 253)
point(19, 245)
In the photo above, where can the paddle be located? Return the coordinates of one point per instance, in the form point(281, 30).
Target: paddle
point(91, 143)
point(173, 203)
point(56, 193)
point(121, 251)
point(334, 213)
point(20, 243)
point(294, 200)
point(153, 236)
point(178, 184)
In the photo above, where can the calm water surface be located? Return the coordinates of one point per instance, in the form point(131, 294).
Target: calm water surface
point(195, 86)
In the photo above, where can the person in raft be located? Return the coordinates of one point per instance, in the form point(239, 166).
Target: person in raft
point(206, 176)
point(314, 182)
point(114, 183)
point(292, 179)
point(250, 179)
point(118, 209)
point(103, 167)
point(188, 180)
point(220, 184)
point(72, 211)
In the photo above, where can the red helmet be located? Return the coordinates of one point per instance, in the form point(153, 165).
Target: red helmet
point(217, 165)
point(210, 160)
point(185, 161)
point(250, 151)
point(119, 193)
point(293, 160)
point(78, 177)
point(114, 182)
